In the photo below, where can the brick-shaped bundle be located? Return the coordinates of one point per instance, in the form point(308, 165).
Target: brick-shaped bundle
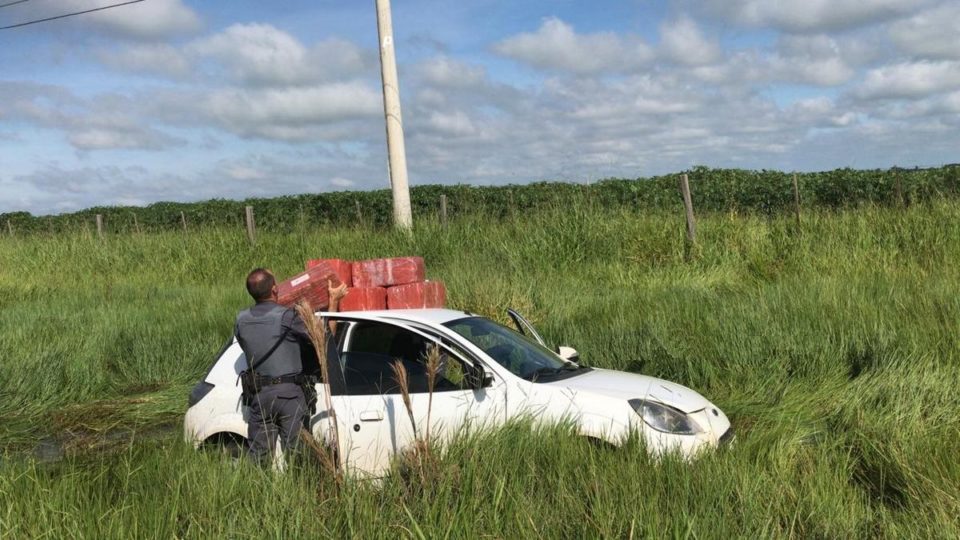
point(388, 272)
point(364, 299)
point(311, 285)
point(427, 294)
point(343, 269)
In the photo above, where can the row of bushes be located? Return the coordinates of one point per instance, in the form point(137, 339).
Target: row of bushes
point(713, 190)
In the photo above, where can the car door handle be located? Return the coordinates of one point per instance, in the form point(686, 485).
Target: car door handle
point(371, 416)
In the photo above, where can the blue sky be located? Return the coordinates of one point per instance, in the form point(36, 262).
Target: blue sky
point(181, 100)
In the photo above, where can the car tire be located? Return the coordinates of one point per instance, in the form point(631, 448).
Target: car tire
point(227, 444)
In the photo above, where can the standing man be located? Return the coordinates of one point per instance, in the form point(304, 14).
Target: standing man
point(270, 336)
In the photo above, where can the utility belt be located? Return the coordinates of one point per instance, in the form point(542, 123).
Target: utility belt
point(251, 383)
point(263, 380)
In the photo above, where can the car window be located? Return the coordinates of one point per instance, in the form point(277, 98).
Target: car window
point(374, 347)
point(519, 354)
point(341, 333)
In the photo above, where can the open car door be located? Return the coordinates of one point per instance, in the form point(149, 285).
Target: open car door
point(525, 328)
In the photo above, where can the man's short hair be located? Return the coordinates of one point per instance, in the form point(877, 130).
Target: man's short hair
point(260, 284)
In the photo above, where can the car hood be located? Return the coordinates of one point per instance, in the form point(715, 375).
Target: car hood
point(631, 385)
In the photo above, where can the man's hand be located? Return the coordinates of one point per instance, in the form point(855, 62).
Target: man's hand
point(336, 293)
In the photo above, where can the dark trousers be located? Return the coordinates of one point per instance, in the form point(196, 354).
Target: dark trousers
point(278, 409)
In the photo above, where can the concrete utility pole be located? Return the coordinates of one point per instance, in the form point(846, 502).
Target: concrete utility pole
point(402, 216)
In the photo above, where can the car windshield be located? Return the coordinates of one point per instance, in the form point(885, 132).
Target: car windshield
point(522, 356)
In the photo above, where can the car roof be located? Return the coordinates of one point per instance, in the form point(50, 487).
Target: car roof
point(426, 316)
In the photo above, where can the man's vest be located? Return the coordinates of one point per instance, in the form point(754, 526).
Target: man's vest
point(258, 334)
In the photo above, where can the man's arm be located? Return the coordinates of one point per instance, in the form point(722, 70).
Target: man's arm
point(335, 294)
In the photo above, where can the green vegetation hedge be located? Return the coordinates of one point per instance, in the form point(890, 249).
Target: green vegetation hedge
point(713, 190)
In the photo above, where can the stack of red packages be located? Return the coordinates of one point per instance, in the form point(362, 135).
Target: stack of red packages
point(392, 283)
point(311, 285)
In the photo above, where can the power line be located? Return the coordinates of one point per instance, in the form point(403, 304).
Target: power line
point(13, 3)
point(68, 14)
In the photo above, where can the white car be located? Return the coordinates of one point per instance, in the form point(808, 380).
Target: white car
point(490, 374)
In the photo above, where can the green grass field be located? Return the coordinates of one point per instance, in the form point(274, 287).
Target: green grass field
point(834, 349)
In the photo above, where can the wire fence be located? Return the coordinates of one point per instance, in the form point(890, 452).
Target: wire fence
point(766, 192)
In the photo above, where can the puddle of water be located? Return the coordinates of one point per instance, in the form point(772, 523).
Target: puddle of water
point(48, 451)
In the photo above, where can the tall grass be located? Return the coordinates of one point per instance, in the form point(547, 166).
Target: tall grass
point(835, 350)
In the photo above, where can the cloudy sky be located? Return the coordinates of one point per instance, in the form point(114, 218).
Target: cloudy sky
point(187, 100)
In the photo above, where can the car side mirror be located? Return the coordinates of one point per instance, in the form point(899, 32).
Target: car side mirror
point(478, 378)
point(569, 354)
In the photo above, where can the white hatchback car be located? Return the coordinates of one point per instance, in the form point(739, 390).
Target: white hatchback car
point(489, 374)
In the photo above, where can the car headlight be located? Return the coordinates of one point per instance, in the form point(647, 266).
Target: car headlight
point(664, 418)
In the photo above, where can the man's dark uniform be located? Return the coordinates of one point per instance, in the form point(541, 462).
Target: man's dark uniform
point(280, 404)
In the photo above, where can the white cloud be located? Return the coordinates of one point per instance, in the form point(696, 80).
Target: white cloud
point(261, 54)
point(933, 33)
point(449, 73)
point(934, 111)
point(120, 138)
point(820, 112)
point(103, 122)
point(338, 58)
point(556, 46)
point(151, 20)
point(53, 187)
point(819, 72)
point(951, 102)
point(812, 15)
point(342, 182)
point(257, 53)
point(816, 60)
point(910, 80)
point(244, 173)
point(161, 59)
point(291, 113)
point(682, 41)
point(455, 123)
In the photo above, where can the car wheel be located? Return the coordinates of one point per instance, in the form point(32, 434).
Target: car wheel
point(228, 444)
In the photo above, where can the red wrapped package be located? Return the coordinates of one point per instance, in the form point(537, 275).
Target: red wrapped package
point(311, 285)
point(364, 299)
point(427, 294)
point(344, 269)
point(388, 272)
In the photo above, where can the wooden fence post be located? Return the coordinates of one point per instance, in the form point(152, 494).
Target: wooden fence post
point(359, 213)
point(136, 224)
point(100, 226)
point(183, 220)
point(251, 226)
point(796, 198)
point(898, 187)
point(9, 228)
point(443, 210)
point(688, 206)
